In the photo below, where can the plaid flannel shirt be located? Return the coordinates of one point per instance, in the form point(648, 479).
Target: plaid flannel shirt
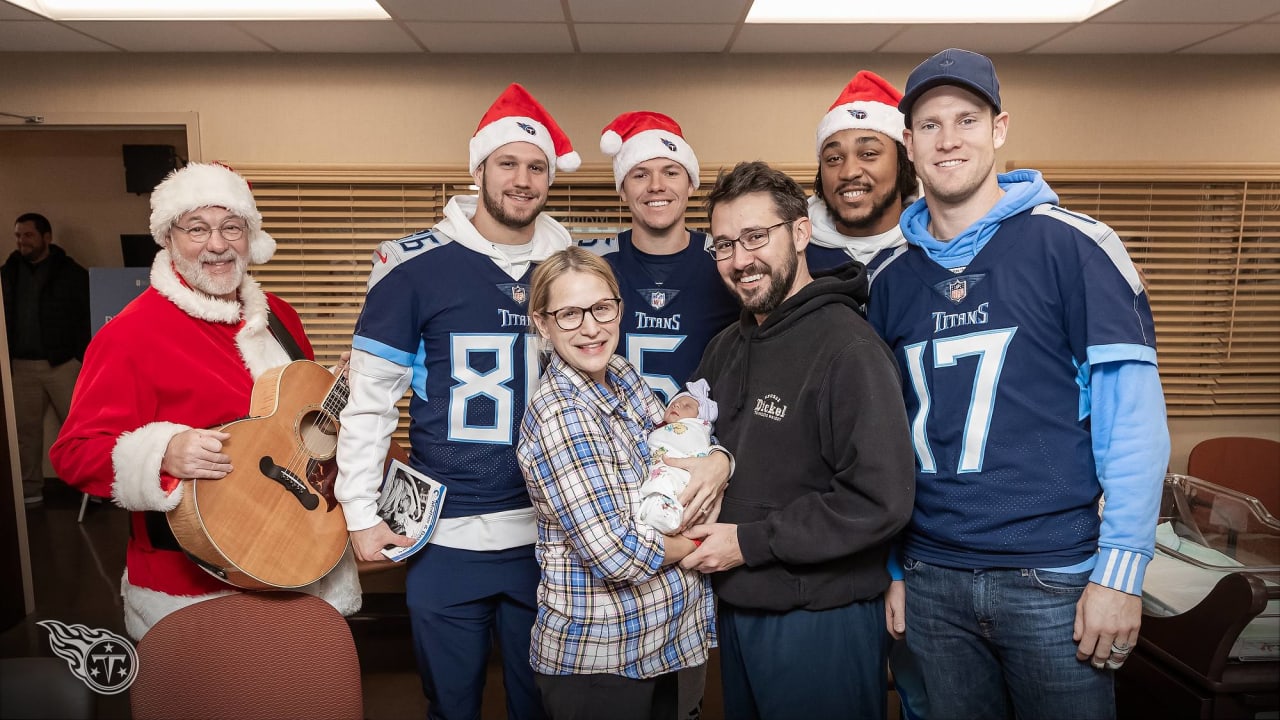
point(605, 604)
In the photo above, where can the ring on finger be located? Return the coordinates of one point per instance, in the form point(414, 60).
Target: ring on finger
point(1122, 649)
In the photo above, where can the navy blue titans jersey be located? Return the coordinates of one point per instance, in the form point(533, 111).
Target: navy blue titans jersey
point(824, 260)
point(460, 323)
point(672, 306)
point(995, 366)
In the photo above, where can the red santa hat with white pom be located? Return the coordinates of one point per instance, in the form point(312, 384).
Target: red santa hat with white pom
point(517, 117)
point(868, 102)
point(634, 137)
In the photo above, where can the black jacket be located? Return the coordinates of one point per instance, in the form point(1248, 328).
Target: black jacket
point(811, 407)
point(64, 305)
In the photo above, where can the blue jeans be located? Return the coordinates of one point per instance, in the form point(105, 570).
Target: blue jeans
point(997, 644)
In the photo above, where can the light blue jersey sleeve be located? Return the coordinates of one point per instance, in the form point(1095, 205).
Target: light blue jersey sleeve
point(1131, 449)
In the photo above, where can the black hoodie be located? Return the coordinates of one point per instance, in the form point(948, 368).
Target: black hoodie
point(811, 407)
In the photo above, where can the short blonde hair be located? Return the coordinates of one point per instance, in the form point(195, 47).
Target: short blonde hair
point(571, 259)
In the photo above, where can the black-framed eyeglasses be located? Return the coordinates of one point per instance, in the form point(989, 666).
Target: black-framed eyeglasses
point(753, 239)
point(230, 232)
point(604, 310)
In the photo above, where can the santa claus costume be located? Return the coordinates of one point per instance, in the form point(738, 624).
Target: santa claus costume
point(175, 359)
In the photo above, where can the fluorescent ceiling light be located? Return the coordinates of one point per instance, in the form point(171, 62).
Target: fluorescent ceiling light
point(926, 11)
point(206, 9)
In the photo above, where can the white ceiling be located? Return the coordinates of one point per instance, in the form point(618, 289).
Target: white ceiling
point(657, 26)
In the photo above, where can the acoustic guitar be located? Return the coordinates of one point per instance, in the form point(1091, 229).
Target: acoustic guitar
point(273, 522)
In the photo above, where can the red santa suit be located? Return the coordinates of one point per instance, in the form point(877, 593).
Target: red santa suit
point(172, 360)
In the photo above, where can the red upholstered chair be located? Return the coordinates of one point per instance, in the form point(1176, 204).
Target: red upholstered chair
point(249, 655)
point(1245, 464)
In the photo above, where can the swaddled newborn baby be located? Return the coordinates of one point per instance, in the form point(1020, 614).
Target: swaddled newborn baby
point(685, 432)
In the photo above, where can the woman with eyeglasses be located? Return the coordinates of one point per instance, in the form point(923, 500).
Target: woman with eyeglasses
point(617, 616)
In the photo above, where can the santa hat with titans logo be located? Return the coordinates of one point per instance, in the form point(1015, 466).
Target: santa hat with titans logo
point(635, 137)
point(200, 185)
point(868, 102)
point(517, 117)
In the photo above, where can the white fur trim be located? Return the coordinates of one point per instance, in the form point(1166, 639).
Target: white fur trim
point(879, 117)
point(144, 608)
point(648, 145)
point(507, 130)
point(136, 460)
point(341, 587)
point(259, 348)
point(201, 185)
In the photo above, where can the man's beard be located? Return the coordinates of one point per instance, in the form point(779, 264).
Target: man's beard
point(780, 281)
point(193, 272)
point(493, 205)
point(858, 226)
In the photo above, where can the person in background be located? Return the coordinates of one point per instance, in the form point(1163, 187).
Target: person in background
point(617, 616)
point(446, 315)
point(809, 404)
point(1027, 350)
point(179, 359)
point(46, 308)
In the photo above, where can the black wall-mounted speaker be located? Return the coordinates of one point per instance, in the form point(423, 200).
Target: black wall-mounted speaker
point(146, 165)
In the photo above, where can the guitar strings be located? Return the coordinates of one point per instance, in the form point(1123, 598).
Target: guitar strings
point(334, 401)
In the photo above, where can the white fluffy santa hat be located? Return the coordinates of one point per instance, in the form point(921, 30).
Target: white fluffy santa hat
point(868, 102)
point(634, 137)
point(200, 185)
point(517, 117)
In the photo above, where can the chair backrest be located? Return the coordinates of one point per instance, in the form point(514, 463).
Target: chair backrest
point(1248, 465)
point(249, 655)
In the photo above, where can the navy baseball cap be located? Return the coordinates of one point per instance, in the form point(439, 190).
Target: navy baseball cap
point(963, 68)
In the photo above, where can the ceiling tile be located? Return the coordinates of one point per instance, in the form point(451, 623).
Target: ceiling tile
point(1121, 38)
point(370, 36)
point(805, 38)
point(45, 36)
point(171, 36)
point(1217, 11)
point(641, 37)
point(1246, 40)
point(493, 37)
point(475, 10)
point(986, 38)
point(658, 12)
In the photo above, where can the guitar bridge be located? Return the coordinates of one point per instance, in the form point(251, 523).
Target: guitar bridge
point(289, 482)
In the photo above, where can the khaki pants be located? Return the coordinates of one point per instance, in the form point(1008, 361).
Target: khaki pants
point(36, 386)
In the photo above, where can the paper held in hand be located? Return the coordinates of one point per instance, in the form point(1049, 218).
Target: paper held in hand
point(410, 502)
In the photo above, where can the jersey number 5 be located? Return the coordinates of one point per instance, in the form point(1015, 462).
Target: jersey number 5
point(989, 347)
point(638, 345)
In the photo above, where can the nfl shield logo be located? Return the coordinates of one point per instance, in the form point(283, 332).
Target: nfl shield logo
point(657, 299)
point(957, 289)
point(518, 294)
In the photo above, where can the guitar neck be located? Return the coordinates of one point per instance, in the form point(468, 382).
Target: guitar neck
point(337, 397)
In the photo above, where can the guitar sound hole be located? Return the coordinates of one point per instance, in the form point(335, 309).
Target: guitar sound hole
point(318, 431)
